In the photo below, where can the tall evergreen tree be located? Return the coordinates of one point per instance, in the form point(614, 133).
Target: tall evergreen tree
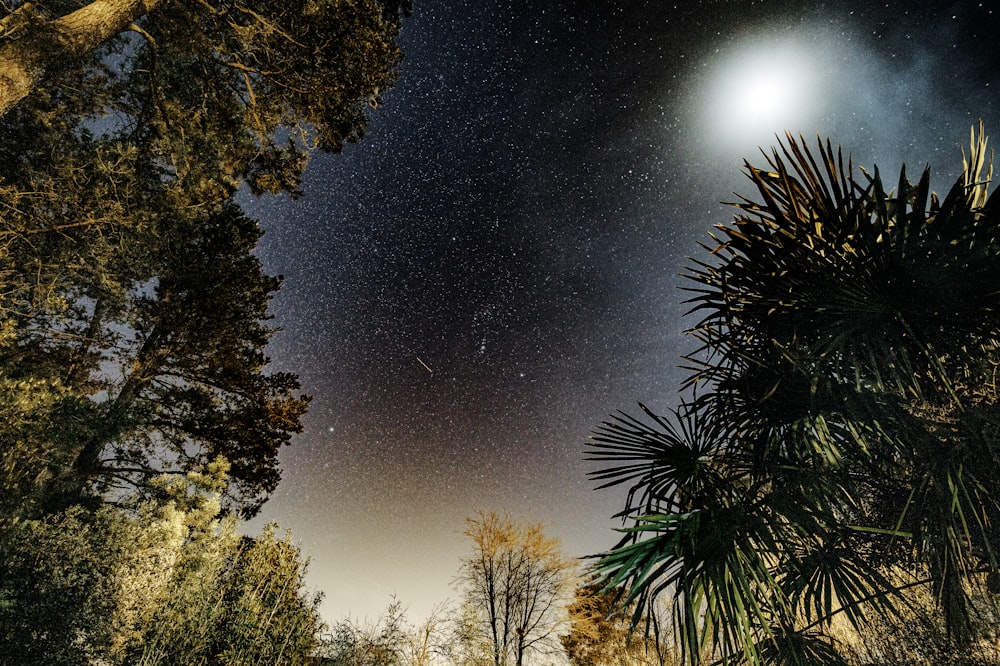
point(190, 382)
point(130, 302)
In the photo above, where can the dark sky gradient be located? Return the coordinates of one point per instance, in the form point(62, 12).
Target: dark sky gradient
point(493, 270)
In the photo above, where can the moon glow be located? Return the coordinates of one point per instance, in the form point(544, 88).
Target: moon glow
point(762, 87)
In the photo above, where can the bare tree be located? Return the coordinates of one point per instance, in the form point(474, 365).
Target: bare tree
point(518, 583)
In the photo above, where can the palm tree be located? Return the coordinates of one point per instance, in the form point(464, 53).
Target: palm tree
point(839, 424)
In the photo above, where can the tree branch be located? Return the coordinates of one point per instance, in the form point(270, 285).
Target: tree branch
point(26, 62)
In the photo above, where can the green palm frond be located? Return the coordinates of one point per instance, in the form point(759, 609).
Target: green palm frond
point(828, 574)
point(660, 458)
point(712, 562)
point(800, 648)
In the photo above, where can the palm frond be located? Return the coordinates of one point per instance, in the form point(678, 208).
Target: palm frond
point(840, 412)
point(658, 457)
point(854, 273)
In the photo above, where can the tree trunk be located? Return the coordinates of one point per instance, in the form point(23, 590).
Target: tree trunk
point(47, 44)
point(71, 487)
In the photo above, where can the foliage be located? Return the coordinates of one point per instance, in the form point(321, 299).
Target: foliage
point(430, 641)
point(214, 91)
point(171, 584)
point(840, 417)
point(133, 316)
point(389, 641)
point(516, 583)
point(56, 588)
point(351, 643)
point(159, 371)
point(232, 599)
point(918, 636)
point(42, 421)
point(601, 633)
point(130, 299)
point(469, 644)
point(243, 606)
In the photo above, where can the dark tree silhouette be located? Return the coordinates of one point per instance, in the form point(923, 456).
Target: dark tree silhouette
point(132, 311)
point(840, 424)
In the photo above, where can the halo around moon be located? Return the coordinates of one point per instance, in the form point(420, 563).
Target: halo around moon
point(762, 86)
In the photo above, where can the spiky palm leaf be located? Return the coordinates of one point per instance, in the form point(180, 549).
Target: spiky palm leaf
point(800, 648)
point(841, 411)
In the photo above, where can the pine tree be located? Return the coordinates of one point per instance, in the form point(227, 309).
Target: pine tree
point(127, 285)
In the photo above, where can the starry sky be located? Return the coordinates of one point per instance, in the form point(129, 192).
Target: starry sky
point(494, 269)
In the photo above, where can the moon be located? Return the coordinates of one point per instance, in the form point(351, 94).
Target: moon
point(759, 87)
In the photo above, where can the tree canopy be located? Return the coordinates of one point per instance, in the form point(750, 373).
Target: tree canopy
point(837, 445)
point(133, 314)
point(139, 412)
point(172, 583)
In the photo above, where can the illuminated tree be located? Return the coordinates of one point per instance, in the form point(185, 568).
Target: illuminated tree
point(212, 596)
point(469, 645)
point(170, 583)
point(162, 377)
point(517, 583)
point(389, 641)
point(382, 643)
point(601, 633)
point(840, 427)
point(132, 311)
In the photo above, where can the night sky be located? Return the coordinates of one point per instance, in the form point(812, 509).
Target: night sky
point(493, 270)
